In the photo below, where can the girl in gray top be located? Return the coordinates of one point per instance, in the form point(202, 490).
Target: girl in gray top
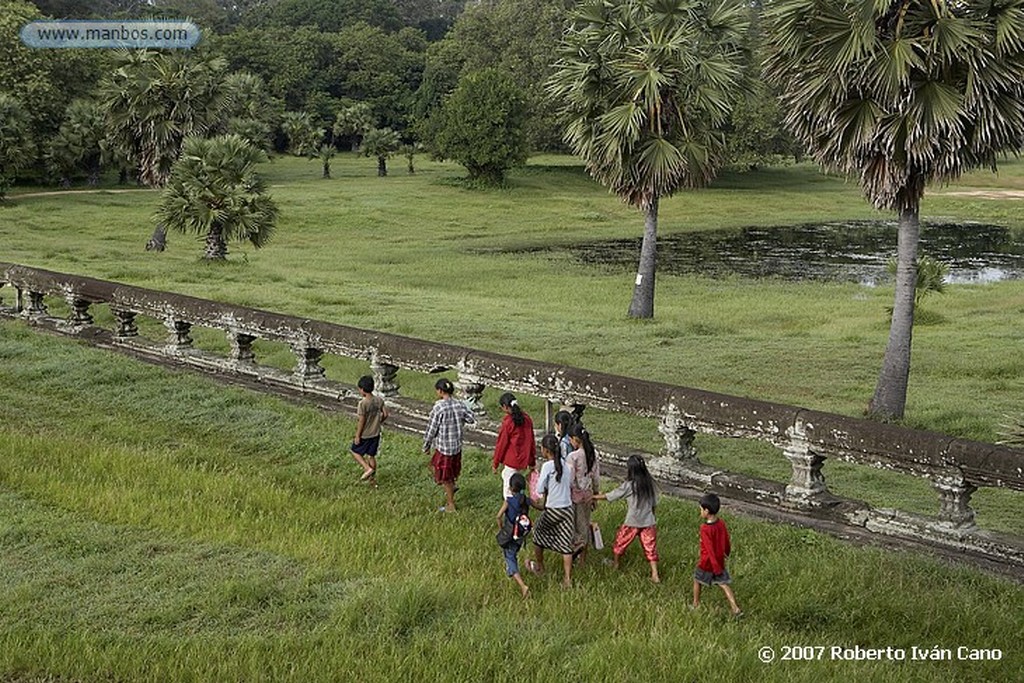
point(641, 499)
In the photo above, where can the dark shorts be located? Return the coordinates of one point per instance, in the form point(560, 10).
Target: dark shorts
point(367, 446)
point(447, 468)
point(708, 579)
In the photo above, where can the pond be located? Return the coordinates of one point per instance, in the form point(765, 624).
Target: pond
point(855, 251)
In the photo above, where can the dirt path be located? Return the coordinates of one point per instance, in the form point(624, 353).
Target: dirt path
point(985, 194)
point(97, 191)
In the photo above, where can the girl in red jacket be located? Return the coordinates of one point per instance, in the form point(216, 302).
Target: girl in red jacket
point(515, 449)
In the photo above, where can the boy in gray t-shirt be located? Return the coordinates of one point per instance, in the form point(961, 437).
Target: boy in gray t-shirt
point(370, 413)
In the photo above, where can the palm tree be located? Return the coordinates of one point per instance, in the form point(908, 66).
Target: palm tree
point(214, 190)
point(381, 143)
point(354, 122)
point(903, 94)
point(326, 153)
point(645, 87)
point(304, 135)
point(154, 101)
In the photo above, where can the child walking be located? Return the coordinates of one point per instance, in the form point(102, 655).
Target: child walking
point(555, 529)
point(586, 481)
point(515, 505)
point(564, 423)
point(444, 434)
point(515, 450)
point(714, 548)
point(641, 499)
point(370, 413)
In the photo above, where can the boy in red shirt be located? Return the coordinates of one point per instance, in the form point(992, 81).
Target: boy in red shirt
point(714, 548)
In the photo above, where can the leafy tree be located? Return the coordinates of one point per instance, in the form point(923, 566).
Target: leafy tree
point(16, 146)
point(518, 37)
point(293, 62)
point(482, 126)
point(312, 70)
point(353, 122)
point(304, 135)
point(755, 134)
point(214, 190)
point(433, 17)
point(903, 94)
point(44, 81)
point(646, 86)
point(381, 143)
point(326, 16)
point(78, 144)
point(381, 69)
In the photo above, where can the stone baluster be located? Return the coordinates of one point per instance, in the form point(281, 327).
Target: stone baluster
point(470, 389)
point(385, 380)
point(955, 501)
point(79, 315)
point(307, 366)
point(806, 487)
point(678, 435)
point(126, 326)
point(241, 347)
point(179, 335)
point(36, 307)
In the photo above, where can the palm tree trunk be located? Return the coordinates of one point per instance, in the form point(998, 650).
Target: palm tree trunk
point(158, 242)
point(890, 397)
point(642, 305)
point(216, 248)
point(382, 166)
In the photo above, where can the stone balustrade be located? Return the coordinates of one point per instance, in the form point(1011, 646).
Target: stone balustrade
point(955, 467)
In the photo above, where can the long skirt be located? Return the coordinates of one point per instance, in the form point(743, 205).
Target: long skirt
point(555, 530)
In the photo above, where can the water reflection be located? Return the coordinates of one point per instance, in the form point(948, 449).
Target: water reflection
point(855, 251)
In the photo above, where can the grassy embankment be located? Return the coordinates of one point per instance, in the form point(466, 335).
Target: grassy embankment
point(157, 527)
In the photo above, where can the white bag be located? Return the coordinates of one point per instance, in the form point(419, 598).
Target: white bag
point(598, 541)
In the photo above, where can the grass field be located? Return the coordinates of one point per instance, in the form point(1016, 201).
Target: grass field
point(156, 527)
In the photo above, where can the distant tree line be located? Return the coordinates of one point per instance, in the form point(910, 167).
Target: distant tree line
point(305, 62)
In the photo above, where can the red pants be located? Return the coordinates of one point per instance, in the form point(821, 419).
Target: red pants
point(648, 539)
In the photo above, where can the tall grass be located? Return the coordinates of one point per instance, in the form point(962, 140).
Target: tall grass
point(155, 527)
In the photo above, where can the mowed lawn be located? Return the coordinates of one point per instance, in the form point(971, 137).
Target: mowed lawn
point(157, 527)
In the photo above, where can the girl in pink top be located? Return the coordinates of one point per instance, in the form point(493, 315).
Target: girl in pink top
point(586, 481)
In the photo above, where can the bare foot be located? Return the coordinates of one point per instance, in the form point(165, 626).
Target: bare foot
point(366, 475)
point(525, 590)
point(567, 584)
point(655, 579)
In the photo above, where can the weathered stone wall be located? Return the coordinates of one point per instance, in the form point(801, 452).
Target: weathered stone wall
point(807, 439)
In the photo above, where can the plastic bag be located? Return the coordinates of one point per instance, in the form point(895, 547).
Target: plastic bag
point(598, 540)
